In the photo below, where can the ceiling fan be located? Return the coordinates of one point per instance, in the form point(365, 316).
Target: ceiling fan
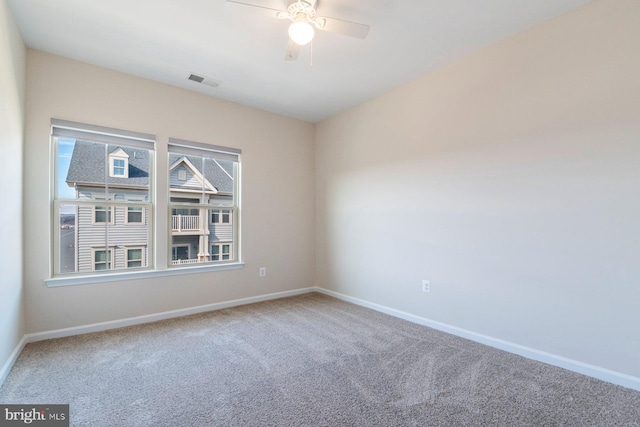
point(303, 17)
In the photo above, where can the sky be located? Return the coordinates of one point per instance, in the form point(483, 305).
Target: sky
point(65, 149)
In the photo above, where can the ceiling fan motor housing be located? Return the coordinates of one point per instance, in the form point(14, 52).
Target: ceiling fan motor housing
point(303, 11)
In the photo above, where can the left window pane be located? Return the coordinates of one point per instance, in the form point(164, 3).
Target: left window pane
point(101, 212)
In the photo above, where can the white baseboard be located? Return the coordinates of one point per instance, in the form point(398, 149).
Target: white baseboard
point(541, 356)
point(114, 324)
point(12, 360)
point(614, 377)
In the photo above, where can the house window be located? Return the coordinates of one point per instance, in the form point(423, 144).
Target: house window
point(135, 257)
point(102, 259)
point(118, 167)
point(220, 216)
point(180, 254)
point(221, 252)
point(103, 214)
point(135, 215)
point(119, 163)
point(103, 182)
point(182, 175)
point(205, 208)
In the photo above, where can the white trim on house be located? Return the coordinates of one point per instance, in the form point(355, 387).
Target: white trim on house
point(195, 172)
point(119, 154)
point(180, 245)
point(109, 258)
point(221, 214)
point(142, 215)
point(221, 252)
point(143, 255)
point(109, 212)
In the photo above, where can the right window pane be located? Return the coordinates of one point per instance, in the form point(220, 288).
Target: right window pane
point(204, 205)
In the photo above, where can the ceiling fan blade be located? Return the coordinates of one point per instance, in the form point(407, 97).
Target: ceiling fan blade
point(293, 50)
point(259, 7)
point(346, 28)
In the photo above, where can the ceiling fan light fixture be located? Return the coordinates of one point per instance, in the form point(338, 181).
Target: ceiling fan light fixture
point(301, 32)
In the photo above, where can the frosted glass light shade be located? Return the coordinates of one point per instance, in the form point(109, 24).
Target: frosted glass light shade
point(301, 33)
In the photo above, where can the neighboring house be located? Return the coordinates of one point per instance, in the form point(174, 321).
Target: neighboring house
point(200, 234)
point(118, 236)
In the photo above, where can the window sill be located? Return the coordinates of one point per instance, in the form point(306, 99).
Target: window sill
point(55, 282)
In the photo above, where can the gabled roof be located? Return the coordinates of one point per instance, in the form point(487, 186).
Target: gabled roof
point(89, 167)
point(119, 152)
point(204, 182)
point(217, 172)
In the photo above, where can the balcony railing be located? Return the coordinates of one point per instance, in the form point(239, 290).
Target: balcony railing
point(184, 261)
point(185, 222)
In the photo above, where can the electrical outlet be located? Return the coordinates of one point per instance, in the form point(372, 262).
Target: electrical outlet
point(426, 286)
point(263, 271)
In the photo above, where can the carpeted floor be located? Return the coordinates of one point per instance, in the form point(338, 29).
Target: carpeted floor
point(304, 361)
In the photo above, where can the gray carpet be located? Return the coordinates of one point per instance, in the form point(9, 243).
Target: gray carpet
point(304, 361)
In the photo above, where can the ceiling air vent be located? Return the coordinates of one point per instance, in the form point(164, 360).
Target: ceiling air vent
point(205, 80)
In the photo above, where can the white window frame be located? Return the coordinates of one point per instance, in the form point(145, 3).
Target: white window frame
point(109, 212)
point(119, 154)
point(116, 167)
point(207, 201)
point(221, 213)
point(179, 245)
point(111, 201)
point(62, 129)
point(109, 261)
point(220, 246)
point(142, 250)
point(142, 215)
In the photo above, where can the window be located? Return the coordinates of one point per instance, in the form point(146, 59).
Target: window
point(118, 167)
point(180, 254)
point(119, 163)
point(100, 259)
point(135, 215)
point(103, 186)
point(220, 216)
point(103, 214)
point(221, 252)
point(135, 258)
point(103, 211)
point(204, 207)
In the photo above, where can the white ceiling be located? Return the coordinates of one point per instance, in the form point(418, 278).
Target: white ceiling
point(167, 40)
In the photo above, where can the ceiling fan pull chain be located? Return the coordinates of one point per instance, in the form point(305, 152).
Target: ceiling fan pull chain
point(311, 56)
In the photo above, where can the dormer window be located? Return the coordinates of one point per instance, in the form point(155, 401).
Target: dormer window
point(118, 167)
point(119, 164)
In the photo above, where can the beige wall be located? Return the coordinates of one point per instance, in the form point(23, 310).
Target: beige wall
point(277, 191)
point(510, 180)
point(12, 81)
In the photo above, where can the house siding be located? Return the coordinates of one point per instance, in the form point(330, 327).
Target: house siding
point(120, 235)
point(191, 183)
point(220, 232)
